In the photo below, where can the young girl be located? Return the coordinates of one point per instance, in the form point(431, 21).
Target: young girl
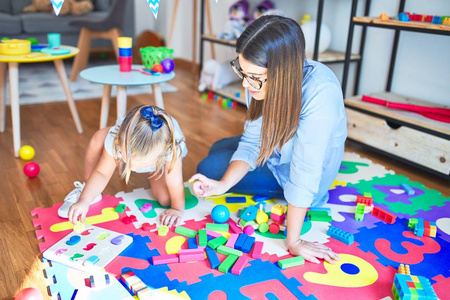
point(295, 132)
point(147, 140)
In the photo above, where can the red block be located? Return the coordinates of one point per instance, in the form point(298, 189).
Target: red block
point(383, 215)
point(429, 18)
point(274, 228)
point(364, 200)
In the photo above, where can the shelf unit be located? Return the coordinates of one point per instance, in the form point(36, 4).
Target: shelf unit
point(405, 136)
point(231, 91)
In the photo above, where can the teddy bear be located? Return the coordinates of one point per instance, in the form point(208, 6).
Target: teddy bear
point(237, 19)
point(72, 7)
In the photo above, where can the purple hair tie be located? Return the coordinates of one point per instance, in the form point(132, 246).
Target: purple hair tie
point(155, 121)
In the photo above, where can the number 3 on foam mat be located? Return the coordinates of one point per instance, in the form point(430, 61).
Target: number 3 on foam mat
point(350, 271)
point(414, 253)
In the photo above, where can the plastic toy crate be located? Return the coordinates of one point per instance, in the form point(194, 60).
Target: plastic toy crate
point(154, 55)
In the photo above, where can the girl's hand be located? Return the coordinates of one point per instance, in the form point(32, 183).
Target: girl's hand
point(204, 187)
point(78, 211)
point(171, 217)
point(311, 251)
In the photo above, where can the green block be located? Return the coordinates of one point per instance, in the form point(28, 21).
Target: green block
point(412, 223)
point(291, 262)
point(120, 208)
point(185, 231)
point(359, 213)
point(202, 238)
point(228, 263)
point(245, 223)
point(218, 227)
point(367, 194)
point(214, 243)
point(228, 251)
point(321, 216)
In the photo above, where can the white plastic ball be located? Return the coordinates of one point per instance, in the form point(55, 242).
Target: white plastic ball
point(309, 31)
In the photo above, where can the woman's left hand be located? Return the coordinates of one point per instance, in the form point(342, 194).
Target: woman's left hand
point(171, 217)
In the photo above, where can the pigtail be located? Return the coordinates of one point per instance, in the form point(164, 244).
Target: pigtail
point(172, 147)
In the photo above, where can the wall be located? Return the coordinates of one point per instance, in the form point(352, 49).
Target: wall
point(422, 60)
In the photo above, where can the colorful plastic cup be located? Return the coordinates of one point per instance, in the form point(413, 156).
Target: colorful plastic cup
point(125, 63)
point(124, 42)
point(54, 40)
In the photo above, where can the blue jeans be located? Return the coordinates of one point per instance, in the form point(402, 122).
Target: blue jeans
point(260, 181)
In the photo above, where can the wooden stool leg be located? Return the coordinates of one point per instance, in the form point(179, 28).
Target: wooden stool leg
point(106, 100)
point(158, 96)
point(80, 61)
point(15, 107)
point(121, 101)
point(2, 96)
point(59, 65)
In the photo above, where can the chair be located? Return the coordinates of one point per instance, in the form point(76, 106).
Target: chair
point(109, 27)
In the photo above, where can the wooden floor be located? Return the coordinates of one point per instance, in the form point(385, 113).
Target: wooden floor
point(49, 128)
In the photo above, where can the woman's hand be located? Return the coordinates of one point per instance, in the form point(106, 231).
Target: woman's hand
point(171, 217)
point(78, 211)
point(204, 187)
point(311, 251)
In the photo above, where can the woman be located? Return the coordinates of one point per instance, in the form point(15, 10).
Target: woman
point(294, 134)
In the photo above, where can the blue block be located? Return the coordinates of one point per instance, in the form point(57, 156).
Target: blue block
point(249, 214)
point(248, 244)
point(327, 209)
point(258, 198)
point(240, 241)
point(192, 243)
point(235, 200)
point(340, 235)
point(409, 190)
point(403, 17)
point(437, 20)
point(212, 257)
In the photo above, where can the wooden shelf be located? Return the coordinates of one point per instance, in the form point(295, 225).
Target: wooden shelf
point(444, 29)
point(325, 57)
point(231, 90)
point(406, 117)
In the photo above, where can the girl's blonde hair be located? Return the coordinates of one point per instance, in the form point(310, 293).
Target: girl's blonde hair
point(137, 138)
point(276, 43)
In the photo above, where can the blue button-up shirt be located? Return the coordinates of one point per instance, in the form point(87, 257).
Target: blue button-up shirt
point(308, 163)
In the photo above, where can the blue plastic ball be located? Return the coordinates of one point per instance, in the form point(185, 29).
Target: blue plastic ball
point(220, 214)
point(168, 65)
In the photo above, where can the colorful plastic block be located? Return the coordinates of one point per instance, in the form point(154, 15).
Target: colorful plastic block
point(258, 198)
point(212, 258)
point(199, 255)
point(409, 190)
point(147, 226)
point(383, 215)
point(163, 230)
point(185, 231)
point(278, 209)
point(249, 214)
point(192, 243)
point(240, 241)
point(340, 235)
point(165, 259)
point(364, 200)
point(202, 238)
point(274, 228)
point(248, 244)
point(412, 222)
point(214, 243)
point(233, 226)
point(231, 240)
point(120, 208)
point(277, 218)
point(235, 200)
point(291, 262)
point(239, 265)
point(227, 251)
point(257, 249)
point(321, 216)
point(228, 263)
point(213, 234)
point(404, 269)
point(146, 207)
point(359, 213)
point(218, 227)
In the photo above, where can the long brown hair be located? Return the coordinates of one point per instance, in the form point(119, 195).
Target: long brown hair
point(276, 43)
point(136, 138)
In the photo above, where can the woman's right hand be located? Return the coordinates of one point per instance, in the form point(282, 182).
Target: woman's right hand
point(78, 211)
point(204, 187)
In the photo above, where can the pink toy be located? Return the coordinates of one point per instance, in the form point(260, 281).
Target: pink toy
point(146, 207)
point(231, 240)
point(249, 230)
point(165, 259)
point(31, 169)
point(29, 294)
point(239, 265)
point(257, 249)
point(234, 228)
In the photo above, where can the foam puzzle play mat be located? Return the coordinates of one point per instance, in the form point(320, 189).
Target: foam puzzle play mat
point(392, 235)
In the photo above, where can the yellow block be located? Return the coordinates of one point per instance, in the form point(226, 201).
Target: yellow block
point(125, 42)
point(279, 209)
point(108, 214)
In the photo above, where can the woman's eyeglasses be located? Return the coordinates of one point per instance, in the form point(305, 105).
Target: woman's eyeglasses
point(254, 82)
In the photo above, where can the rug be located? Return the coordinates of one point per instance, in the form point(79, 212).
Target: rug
point(367, 267)
point(39, 83)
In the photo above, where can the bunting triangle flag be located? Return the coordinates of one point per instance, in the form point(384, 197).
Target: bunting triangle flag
point(57, 4)
point(154, 6)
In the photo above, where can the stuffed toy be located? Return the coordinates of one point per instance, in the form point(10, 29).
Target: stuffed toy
point(266, 7)
point(215, 75)
point(237, 20)
point(70, 7)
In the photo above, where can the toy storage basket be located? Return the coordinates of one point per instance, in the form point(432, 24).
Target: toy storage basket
point(154, 55)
